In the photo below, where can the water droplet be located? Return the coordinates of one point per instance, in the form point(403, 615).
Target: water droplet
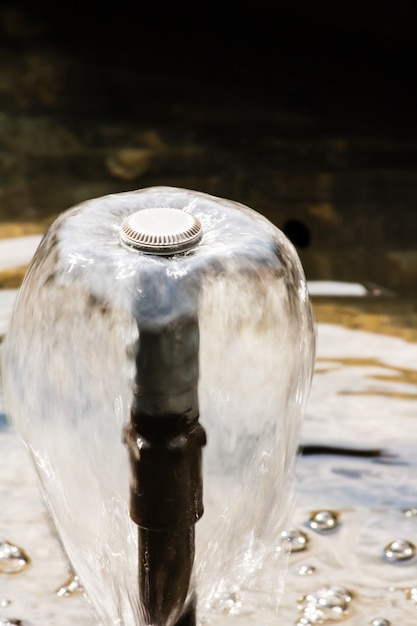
point(12, 558)
point(306, 570)
point(232, 603)
point(323, 521)
point(4, 603)
point(399, 550)
point(295, 539)
point(412, 512)
point(227, 601)
point(380, 621)
point(70, 587)
point(329, 604)
point(411, 594)
point(6, 621)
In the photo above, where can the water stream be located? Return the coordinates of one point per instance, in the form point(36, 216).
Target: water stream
point(69, 377)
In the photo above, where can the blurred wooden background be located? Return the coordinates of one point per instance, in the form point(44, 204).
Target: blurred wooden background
point(304, 111)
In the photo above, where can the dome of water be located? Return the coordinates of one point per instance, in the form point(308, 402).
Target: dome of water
point(70, 361)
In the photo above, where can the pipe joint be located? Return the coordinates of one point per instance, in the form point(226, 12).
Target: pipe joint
point(166, 471)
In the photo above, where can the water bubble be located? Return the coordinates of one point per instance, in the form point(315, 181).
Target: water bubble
point(329, 604)
point(70, 587)
point(306, 570)
point(295, 539)
point(228, 602)
point(323, 521)
point(399, 550)
point(410, 512)
point(380, 621)
point(411, 594)
point(232, 604)
point(12, 558)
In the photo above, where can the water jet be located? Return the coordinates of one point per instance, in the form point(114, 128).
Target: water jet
point(127, 330)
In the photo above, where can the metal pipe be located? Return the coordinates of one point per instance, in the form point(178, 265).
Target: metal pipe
point(164, 436)
point(165, 441)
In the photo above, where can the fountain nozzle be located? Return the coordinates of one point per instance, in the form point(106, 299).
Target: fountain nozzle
point(161, 230)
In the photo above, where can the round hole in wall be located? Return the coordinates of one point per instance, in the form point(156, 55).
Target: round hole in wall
point(297, 233)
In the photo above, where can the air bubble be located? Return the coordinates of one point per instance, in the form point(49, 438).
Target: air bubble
point(323, 521)
point(5, 621)
point(399, 550)
point(412, 512)
point(12, 558)
point(380, 621)
point(296, 540)
point(4, 603)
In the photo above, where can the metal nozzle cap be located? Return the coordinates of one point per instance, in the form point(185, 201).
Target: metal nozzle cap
point(161, 230)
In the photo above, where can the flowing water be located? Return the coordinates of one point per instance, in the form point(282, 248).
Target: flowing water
point(363, 398)
point(69, 376)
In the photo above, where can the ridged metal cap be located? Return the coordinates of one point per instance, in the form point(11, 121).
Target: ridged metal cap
point(161, 230)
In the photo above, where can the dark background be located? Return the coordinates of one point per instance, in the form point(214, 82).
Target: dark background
point(305, 111)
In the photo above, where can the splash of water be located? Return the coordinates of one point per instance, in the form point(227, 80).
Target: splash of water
point(69, 374)
point(329, 604)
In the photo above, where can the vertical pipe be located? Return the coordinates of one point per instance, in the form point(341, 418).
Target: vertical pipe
point(165, 441)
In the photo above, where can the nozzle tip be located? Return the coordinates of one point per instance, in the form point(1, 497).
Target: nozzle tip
point(161, 230)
